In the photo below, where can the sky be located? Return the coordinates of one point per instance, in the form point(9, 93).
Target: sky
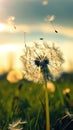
point(29, 20)
point(29, 16)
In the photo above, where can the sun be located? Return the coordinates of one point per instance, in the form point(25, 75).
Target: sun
point(2, 27)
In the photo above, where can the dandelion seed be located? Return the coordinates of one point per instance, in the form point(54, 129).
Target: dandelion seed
point(11, 23)
point(16, 125)
point(42, 61)
point(50, 19)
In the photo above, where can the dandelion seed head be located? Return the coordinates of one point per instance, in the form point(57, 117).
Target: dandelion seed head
point(42, 60)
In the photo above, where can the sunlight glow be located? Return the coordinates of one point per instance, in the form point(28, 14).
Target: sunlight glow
point(6, 27)
point(14, 76)
point(10, 56)
point(45, 2)
point(2, 27)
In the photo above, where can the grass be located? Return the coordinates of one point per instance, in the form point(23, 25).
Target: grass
point(25, 100)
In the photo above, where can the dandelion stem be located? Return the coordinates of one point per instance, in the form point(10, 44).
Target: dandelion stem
point(47, 108)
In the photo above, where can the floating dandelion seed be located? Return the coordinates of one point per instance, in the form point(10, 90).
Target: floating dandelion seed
point(50, 19)
point(45, 2)
point(11, 23)
point(42, 60)
point(41, 38)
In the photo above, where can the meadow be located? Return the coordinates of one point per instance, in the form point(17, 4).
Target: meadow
point(25, 100)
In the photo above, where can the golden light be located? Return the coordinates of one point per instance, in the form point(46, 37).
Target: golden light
point(51, 86)
point(2, 27)
point(45, 2)
point(10, 57)
point(14, 76)
point(67, 90)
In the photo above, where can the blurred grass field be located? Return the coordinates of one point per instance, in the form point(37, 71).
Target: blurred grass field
point(25, 100)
